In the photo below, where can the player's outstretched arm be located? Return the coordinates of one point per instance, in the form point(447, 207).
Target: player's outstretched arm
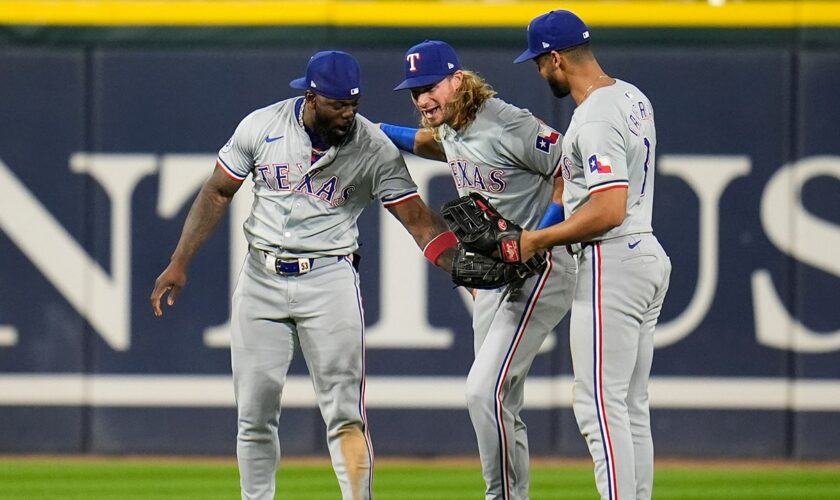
point(428, 230)
point(204, 215)
point(425, 146)
point(420, 141)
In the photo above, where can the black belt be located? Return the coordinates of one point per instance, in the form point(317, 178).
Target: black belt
point(576, 248)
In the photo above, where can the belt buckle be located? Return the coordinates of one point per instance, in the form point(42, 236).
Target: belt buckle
point(293, 267)
point(287, 267)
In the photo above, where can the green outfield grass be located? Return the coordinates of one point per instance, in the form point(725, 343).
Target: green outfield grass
point(32, 479)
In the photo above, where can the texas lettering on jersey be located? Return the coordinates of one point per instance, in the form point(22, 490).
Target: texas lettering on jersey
point(469, 175)
point(276, 178)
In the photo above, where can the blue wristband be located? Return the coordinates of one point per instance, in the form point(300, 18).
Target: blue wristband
point(554, 215)
point(402, 137)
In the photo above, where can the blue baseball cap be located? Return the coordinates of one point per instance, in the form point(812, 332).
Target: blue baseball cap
point(428, 63)
point(556, 30)
point(333, 74)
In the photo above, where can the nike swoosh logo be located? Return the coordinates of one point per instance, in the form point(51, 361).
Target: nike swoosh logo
point(631, 246)
point(272, 139)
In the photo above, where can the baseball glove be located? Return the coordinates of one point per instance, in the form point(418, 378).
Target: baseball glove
point(481, 229)
point(474, 270)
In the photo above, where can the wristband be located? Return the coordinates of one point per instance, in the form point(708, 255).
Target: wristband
point(402, 137)
point(554, 215)
point(439, 244)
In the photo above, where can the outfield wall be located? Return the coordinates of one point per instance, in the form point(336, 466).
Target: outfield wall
point(106, 133)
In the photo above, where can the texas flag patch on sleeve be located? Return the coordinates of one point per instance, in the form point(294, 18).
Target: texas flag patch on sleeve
point(599, 165)
point(546, 138)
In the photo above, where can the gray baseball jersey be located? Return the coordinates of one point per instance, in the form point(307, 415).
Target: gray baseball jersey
point(623, 277)
point(303, 210)
point(510, 157)
point(298, 287)
point(507, 155)
point(609, 131)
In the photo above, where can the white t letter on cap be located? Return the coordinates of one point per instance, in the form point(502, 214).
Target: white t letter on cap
point(412, 59)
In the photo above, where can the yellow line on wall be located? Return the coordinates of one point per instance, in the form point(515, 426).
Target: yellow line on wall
point(644, 14)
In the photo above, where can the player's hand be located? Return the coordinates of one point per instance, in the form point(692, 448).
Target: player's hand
point(171, 280)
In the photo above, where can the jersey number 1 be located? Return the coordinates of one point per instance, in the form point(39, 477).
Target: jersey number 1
point(647, 162)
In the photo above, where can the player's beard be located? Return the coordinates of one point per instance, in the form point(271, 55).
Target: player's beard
point(331, 134)
point(557, 88)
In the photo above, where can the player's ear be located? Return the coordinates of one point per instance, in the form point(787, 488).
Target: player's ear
point(558, 60)
point(457, 79)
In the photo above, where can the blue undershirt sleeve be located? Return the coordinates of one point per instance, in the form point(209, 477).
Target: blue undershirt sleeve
point(555, 214)
point(402, 137)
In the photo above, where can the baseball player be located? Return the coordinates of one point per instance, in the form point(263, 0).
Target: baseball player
point(510, 157)
point(315, 164)
point(623, 273)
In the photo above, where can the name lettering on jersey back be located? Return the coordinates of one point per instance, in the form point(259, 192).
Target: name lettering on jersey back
point(639, 113)
point(467, 175)
point(276, 178)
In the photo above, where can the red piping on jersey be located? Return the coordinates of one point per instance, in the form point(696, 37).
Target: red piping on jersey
point(611, 186)
point(400, 201)
point(227, 173)
point(609, 455)
point(520, 332)
point(363, 385)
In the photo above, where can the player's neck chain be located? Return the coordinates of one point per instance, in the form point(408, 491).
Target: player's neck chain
point(300, 113)
point(591, 87)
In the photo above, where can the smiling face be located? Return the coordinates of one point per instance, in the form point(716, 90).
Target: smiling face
point(433, 101)
point(333, 118)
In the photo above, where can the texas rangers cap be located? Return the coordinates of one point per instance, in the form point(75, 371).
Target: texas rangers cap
point(556, 30)
point(333, 74)
point(427, 63)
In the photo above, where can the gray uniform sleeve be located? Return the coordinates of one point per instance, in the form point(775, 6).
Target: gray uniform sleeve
point(531, 144)
point(392, 183)
point(236, 157)
point(604, 156)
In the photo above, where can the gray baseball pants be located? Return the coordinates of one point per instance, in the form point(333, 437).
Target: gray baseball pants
point(320, 312)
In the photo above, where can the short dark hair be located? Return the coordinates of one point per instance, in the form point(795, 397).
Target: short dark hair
point(578, 53)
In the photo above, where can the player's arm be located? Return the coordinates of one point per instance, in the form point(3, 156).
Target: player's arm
point(557, 195)
point(428, 230)
point(607, 204)
point(207, 210)
point(420, 141)
point(427, 147)
point(555, 213)
point(604, 211)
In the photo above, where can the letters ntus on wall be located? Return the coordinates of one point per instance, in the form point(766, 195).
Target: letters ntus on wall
point(101, 157)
